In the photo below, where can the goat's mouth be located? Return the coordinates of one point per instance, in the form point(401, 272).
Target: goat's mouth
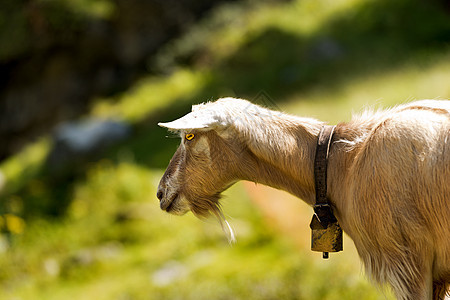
point(169, 208)
point(175, 205)
point(171, 202)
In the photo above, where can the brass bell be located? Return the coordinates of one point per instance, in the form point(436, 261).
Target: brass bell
point(325, 236)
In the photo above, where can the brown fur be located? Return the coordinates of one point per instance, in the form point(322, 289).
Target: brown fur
point(389, 182)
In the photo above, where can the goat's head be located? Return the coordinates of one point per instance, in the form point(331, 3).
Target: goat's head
point(205, 164)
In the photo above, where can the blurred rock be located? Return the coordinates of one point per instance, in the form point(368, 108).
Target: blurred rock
point(52, 267)
point(90, 256)
point(78, 142)
point(88, 136)
point(169, 273)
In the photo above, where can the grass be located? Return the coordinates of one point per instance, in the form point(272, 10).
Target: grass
point(111, 241)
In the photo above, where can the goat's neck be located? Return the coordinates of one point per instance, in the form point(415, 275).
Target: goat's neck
point(285, 159)
point(283, 150)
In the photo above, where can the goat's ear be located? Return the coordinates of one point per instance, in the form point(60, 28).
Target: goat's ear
point(193, 120)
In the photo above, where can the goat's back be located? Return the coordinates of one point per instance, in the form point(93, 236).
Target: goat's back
point(400, 189)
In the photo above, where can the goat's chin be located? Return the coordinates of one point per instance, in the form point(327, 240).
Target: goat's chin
point(179, 211)
point(178, 207)
point(205, 206)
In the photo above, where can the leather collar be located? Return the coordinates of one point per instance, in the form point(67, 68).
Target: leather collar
point(322, 207)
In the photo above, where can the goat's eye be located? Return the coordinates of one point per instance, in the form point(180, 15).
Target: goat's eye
point(189, 136)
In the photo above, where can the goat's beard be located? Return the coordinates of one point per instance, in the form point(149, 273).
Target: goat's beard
point(206, 206)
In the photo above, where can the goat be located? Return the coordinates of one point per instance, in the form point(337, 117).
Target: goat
point(388, 179)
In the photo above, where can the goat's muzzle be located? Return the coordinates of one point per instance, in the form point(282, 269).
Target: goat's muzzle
point(171, 201)
point(164, 201)
point(167, 203)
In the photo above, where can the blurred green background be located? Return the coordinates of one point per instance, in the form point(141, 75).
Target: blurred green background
point(83, 84)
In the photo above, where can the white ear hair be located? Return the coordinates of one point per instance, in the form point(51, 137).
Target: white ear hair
point(199, 119)
point(213, 115)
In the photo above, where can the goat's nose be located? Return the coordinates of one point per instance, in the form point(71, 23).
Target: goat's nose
point(159, 195)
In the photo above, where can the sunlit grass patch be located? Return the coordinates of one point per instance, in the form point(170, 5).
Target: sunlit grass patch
point(150, 95)
point(218, 36)
point(25, 164)
point(412, 81)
